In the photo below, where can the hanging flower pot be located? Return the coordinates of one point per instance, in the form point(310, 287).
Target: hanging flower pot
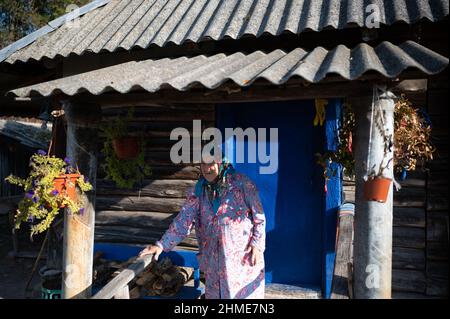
point(377, 189)
point(66, 185)
point(51, 184)
point(126, 147)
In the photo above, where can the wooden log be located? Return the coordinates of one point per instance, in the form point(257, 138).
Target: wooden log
point(408, 258)
point(437, 202)
point(373, 220)
point(408, 280)
point(123, 293)
point(155, 220)
point(437, 250)
point(437, 287)
point(78, 240)
point(409, 216)
point(408, 237)
point(122, 280)
point(410, 197)
point(135, 293)
point(437, 226)
point(154, 188)
point(437, 278)
point(135, 203)
point(137, 235)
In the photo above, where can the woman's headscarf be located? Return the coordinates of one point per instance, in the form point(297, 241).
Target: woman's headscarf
point(214, 189)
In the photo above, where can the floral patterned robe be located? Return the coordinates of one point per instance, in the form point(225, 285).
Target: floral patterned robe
point(223, 238)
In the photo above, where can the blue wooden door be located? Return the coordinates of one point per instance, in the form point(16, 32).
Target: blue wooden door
point(293, 197)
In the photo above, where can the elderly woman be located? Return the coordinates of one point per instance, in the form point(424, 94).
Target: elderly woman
point(229, 221)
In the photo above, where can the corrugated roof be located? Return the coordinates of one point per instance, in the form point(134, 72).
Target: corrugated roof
point(127, 24)
point(276, 67)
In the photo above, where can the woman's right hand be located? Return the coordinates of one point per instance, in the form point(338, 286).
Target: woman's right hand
point(151, 249)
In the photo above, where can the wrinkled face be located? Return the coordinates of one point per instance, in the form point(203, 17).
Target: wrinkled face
point(210, 168)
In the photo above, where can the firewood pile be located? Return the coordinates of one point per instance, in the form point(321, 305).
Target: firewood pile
point(160, 278)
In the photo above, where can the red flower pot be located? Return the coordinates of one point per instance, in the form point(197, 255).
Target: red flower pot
point(377, 189)
point(66, 185)
point(126, 147)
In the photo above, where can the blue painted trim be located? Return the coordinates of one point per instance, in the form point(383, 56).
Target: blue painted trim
point(333, 197)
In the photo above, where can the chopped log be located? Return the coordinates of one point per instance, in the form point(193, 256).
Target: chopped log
point(135, 293)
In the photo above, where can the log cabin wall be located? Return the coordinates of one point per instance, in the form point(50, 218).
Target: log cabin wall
point(420, 234)
point(141, 215)
point(420, 243)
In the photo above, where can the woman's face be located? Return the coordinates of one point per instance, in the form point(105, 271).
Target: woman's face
point(210, 170)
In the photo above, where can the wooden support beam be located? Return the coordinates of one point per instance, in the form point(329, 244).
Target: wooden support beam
point(78, 246)
point(373, 220)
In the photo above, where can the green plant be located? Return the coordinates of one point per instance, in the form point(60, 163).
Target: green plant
point(42, 201)
point(343, 155)
point(411, 141)
point(124, 172)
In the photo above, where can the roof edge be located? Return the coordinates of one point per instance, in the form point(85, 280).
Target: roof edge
point(49, 27)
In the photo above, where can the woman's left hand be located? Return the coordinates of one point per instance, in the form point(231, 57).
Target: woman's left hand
point(255, 255)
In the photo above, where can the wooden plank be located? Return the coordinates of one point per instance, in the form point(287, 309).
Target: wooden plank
point(410, 197)
point(138, 235)
point(409, 295)
point(437, 287)
point(154, 188)
point(156, 220)
point(409, 216)
point(437, 202)
point(437, 250)
point(437, 269)
point(408, 258)
point(135, 203)
point(339, 289)
point(408, 237)
point(122, 279)
point(123, 293)
point(437, 226)
point(408, 280)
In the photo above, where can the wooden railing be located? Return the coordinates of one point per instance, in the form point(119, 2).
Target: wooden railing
point(118, 287)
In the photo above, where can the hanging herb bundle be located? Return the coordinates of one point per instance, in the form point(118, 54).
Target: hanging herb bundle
point(412, 146)
point(129, 171)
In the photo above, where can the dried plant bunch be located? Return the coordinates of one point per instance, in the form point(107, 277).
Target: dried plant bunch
point(412, 146)
point(411, 143)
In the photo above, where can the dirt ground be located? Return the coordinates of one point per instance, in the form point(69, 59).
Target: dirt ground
point(15, 272)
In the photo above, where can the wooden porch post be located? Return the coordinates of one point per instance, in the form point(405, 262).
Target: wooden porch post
point(82, 122)
point(373, 220)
